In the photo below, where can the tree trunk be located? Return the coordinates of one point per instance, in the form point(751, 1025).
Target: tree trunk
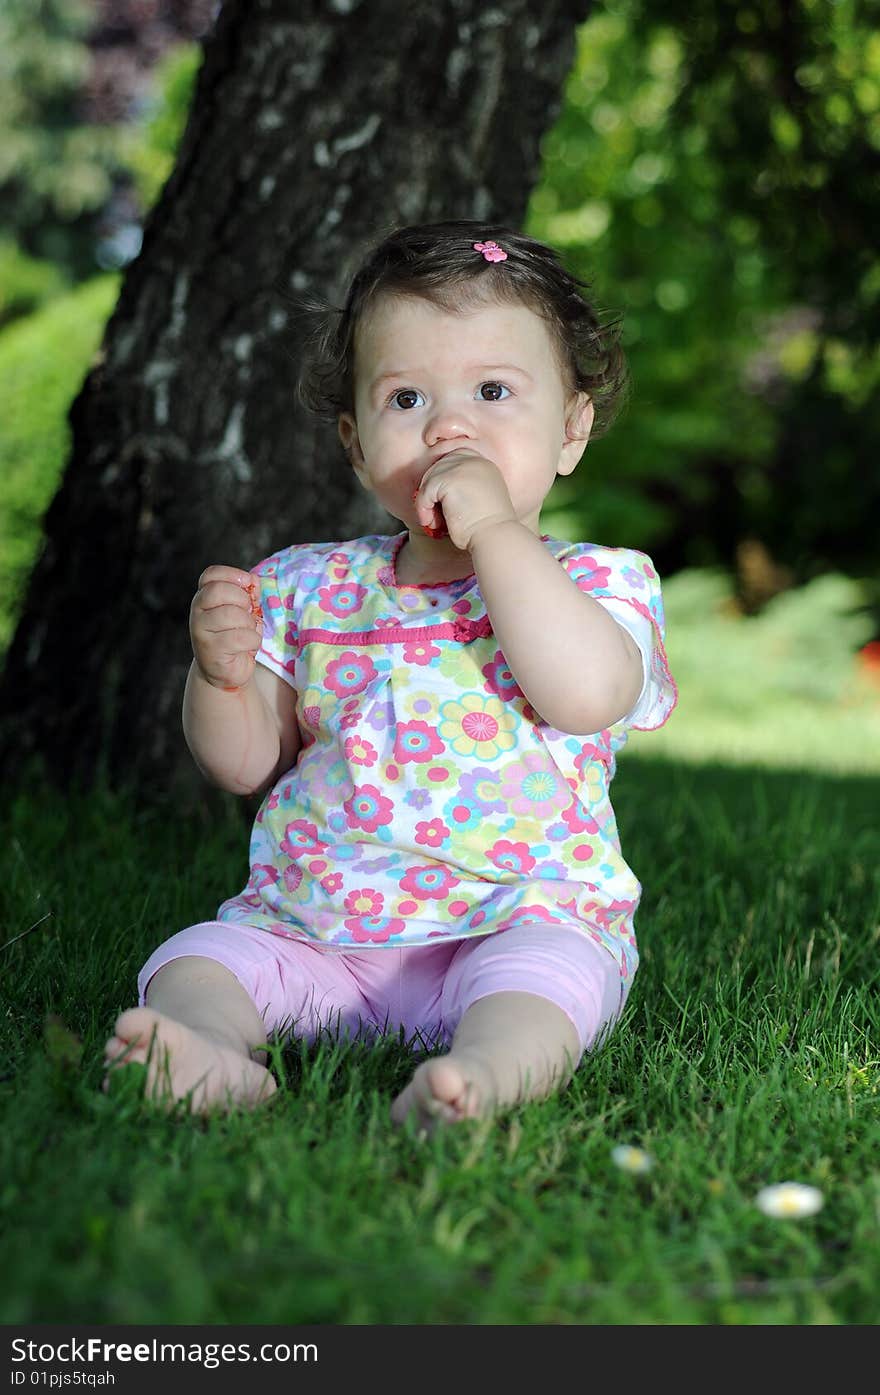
point(314, 127)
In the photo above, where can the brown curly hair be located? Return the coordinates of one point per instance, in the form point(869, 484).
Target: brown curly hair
point(437, 262)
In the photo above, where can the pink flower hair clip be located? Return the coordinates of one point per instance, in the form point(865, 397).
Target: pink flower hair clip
point(491, 251)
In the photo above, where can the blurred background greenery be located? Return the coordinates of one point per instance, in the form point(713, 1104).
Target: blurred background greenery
point(713, 175)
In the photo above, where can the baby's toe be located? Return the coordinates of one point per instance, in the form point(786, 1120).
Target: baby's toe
point(119, 1052)
point(136, 1024)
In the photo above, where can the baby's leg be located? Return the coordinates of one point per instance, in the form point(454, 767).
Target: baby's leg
point(509, 1047)
point(211, 994)
point(534, 998)
point(198, 1036)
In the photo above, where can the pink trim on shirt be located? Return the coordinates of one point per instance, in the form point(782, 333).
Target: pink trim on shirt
point(461, 630)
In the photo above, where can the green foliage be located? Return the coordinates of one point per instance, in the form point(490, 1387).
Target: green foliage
point(56, 173)
point(635, 208)
point(710, 174)
point(152, 145)
point(43, 360)
point(784, 687)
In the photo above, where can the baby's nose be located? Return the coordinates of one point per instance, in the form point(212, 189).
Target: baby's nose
point(446, 422)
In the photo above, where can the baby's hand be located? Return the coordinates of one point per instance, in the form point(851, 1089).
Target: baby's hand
point(226, 626)
point(470, 491)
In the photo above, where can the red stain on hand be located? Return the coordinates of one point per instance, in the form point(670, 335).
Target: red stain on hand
point(253, 591)
point(438, 528)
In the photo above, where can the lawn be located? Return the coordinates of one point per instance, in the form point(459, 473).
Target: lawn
point(747, 1056)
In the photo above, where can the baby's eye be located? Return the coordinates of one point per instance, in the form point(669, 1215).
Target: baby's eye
point(406, 399)
point(493, 392)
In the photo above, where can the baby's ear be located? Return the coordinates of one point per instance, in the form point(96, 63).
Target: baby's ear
point(579, 418)
point(578, 425)
point(348, 435)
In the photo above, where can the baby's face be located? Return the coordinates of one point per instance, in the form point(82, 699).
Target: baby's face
point(429, 381)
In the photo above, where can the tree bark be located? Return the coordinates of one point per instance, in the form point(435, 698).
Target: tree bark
point(314, 127)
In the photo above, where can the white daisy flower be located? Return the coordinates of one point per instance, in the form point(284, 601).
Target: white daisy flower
point(789, 1199)
point(630, 1159)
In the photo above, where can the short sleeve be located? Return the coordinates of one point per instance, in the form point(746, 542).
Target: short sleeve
point(625, 582)
point(279, 577)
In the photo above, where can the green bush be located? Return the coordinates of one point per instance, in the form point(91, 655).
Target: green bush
point(780, 689)
point(25, 282)
point(43, 361)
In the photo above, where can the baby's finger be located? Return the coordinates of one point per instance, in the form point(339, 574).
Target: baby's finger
point(226, 619)
point(235, 651)
point(234, 576)
point(423, 511)
point(244, 641)
point(219, 594)
point(429, 512)
point(437, 527)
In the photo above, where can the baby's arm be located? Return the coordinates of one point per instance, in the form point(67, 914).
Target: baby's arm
point(579, 669)
point(239, 719)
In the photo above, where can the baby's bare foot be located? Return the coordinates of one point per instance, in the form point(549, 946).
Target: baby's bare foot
point(182, 1062)
point(447, 1089)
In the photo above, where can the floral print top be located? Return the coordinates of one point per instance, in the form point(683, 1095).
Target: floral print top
point(429, 799)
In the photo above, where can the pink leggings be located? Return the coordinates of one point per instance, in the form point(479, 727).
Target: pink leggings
point(299, 987)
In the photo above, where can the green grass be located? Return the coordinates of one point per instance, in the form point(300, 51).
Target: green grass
point(748, 1054)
